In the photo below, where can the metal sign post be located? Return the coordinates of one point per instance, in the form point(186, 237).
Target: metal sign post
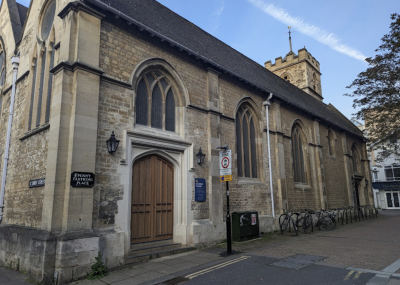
point(225, 166)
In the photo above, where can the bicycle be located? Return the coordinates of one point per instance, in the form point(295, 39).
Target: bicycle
point(285, 220)
point(321, 220)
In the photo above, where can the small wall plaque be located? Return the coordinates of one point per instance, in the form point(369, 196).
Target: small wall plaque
point(82, 179)
point(37, 182)
point(200, 189)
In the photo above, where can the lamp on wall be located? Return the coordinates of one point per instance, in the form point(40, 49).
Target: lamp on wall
point(112, 143)
point(200, 157)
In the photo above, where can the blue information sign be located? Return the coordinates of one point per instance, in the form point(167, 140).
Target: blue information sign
point(200, 189)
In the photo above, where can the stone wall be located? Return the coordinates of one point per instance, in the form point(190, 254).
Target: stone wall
point(121, 51)
point(27, 161)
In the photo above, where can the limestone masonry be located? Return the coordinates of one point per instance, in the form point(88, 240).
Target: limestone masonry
point(166, 89)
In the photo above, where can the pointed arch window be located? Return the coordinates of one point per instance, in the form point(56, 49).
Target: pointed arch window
point(354, 158)
point(155, 102)
point(330, 143)
point(298, 156)
point(246, 144)
point(42, 78)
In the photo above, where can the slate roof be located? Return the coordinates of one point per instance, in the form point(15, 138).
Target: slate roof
point(162, 20)
point(22, 10)
point(17, 15)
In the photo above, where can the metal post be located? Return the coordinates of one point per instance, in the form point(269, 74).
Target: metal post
point(228, 223)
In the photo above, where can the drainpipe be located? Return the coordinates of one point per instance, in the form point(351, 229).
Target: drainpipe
point(267, 104)
point(15, 64)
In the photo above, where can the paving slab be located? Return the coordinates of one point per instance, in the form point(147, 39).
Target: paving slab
point(115, 277)
point(12, 277)
point(134, 271)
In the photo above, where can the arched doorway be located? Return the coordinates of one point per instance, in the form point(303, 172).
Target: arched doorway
point(152, 200)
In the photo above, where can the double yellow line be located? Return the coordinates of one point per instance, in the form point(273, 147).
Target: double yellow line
point(351, 273)
point(201, 272)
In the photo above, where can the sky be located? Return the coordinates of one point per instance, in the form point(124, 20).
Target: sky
point(340, 34)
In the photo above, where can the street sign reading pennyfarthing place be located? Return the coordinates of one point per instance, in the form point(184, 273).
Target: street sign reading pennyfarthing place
point(225, 162)
point(82, 179)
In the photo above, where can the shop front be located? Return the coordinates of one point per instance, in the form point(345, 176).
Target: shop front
point(389, 194)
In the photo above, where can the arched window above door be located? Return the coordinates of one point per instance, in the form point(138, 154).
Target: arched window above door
point(155, 102)
point(246, 143)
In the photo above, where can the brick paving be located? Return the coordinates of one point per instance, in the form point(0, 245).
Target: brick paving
point(372, 244)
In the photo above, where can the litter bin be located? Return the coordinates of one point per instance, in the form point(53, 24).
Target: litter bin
point(245, 225)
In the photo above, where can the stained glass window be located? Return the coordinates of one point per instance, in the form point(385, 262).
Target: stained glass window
point(156, 108)
point(32, 95)
point(246, 144)
point(170, 112)
point(160, 115)
point(47, 20)
point(39, 105)
point(141, 104)
point(298, 156)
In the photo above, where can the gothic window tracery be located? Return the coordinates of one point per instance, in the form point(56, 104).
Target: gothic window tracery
point(331, 143)
point(355, 158)
point(42, 62)
point(155, 102)
point(298, 156)
point(246, 143)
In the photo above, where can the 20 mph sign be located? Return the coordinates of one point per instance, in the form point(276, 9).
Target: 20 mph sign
point(225, 165)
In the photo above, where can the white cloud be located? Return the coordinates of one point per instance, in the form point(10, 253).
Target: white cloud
point(312, 31)
point(218, 13)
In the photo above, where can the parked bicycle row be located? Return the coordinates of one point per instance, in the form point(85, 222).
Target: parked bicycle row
point(309, 220)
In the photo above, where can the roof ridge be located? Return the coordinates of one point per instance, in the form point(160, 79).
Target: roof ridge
point(224, 43)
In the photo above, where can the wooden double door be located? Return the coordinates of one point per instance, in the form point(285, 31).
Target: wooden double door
point(152, 200)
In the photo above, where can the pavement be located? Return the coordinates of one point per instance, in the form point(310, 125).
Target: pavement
point(366, 252)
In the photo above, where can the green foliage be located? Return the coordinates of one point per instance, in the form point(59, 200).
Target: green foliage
point(98, 269)
point(378, 93)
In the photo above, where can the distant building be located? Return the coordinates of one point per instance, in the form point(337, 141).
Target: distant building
point(385, 176)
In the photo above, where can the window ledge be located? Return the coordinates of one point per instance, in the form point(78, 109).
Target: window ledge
point(249, 181)
point(35, 131)
point(302, 186)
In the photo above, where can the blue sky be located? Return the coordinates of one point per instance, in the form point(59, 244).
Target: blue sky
point(339, 34)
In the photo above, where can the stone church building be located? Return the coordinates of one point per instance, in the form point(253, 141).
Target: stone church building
point(74, 72)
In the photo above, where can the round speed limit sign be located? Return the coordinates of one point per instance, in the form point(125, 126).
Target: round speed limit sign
point(225, 162)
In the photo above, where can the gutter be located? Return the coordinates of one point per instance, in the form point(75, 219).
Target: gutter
point(163, 38)
point(142, 27)
point(15, 64)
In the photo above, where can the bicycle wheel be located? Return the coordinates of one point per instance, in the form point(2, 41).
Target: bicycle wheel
point(283, 222)
point(326, 224)
point(304, 223)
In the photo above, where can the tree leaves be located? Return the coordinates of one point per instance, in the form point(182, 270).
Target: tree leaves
point(377, 93)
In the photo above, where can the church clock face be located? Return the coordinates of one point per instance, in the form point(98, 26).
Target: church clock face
point(47, 20)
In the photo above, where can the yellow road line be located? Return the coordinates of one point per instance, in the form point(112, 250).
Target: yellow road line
point(357, 274)
point(204, 271)
point(348, 275)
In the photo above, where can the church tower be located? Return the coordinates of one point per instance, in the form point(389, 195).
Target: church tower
point(301, 70)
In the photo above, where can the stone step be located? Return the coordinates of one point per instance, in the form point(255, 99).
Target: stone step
point(132, 258)
point(151, 244)
point(152, 247)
